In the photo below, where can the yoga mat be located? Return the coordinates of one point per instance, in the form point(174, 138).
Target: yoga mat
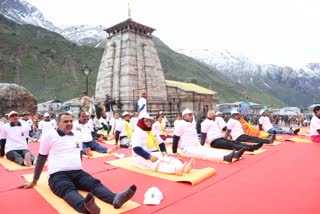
point(300, 140)
point(12, 166)
point(194, 177)
point(97, 155)
point(275, 143)
point(61, 206)
point(279, 137)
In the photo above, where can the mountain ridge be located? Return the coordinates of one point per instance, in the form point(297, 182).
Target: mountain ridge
point(50, 66)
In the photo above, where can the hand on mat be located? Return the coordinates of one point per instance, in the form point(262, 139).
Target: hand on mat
point(26, 185)
point(153, 158)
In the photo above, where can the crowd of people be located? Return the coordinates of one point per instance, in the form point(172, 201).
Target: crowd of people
point(64, 140)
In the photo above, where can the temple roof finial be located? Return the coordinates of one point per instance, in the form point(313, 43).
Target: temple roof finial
point(129, 11)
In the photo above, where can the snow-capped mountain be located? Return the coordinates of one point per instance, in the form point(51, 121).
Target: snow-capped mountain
point(283, 82)
point(84, 34)
point(22, 12)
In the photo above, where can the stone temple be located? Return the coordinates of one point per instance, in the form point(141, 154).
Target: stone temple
point(130, 65)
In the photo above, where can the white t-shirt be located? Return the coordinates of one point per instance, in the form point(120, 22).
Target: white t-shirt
point(15, 136)
point(314, 125)
point(265, 122)
point(84, 130)
point(187, 133)
point(121, 128)
point(165, 121)
point(113, 123)
point(1, 124)
point(142, 101)
point(104, 120)
point(220, 122)
point(176, 123)
point(47, 126)
point(139, 138)
point(134, 120)
point(63, 151)
point(156, 128)
point(205, 125)
point(213, 132)
point(28, 123)
point(235, 127)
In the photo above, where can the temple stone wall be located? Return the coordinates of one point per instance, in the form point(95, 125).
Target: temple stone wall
point(130, 65)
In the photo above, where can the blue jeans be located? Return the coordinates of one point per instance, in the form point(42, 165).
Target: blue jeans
point(279, 131)
point(18, 156)
point(66, 184)
point(93, 145)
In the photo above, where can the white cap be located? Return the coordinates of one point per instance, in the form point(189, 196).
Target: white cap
point(144, 115)
point(12, 113)
point(160, 112)
point(125, 113)
point(262, 111)
point(153, 196)
point(235, 112)
point(187, 111)
point(218, 112)
point(46, 114)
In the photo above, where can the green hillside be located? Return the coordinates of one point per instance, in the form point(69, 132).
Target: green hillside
point(50, 66)
point(44, 62)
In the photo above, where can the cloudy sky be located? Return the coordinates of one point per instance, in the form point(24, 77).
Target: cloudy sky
point(284, 32)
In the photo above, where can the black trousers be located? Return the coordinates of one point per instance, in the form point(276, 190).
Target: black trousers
point(247, 138)
point(223, 143)
point(18, 156)
point(66, 184)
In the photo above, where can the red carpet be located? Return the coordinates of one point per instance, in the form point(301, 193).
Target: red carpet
point(284, 179)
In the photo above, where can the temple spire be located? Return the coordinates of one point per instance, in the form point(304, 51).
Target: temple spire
point(129, 11)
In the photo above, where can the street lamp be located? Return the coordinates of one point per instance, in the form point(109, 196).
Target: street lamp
point(86, 71)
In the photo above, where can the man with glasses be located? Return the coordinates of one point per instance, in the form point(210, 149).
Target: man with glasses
point(14, 141)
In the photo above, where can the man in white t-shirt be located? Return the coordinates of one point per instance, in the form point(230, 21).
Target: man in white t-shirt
point(220, 121)
point(14, 141)
point(234, 128)
point(86, 131)
point(114, 122)
point(265, 125)
point(62, 148)
point(212, 133)
point(104, 120)
point(123, 131)
point(46, 125)
point(27, 121)
point(185, 136)
point(142, 103)
point(315, 125)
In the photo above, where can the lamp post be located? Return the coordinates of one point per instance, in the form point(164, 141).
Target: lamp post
point(86, 71)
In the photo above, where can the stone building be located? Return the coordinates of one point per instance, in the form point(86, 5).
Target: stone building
point(130, 66)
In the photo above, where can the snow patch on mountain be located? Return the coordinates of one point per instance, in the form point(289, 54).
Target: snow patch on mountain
point(22, 12)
